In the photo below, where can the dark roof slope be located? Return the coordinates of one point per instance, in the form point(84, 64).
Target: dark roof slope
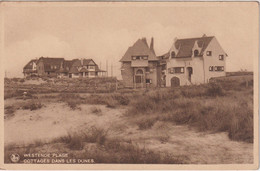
point(185, 46)
point(139, 48)
point(29, 64)
point(78, 63)
point(51, 64)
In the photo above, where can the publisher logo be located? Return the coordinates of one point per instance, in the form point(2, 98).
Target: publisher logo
point(15, 158)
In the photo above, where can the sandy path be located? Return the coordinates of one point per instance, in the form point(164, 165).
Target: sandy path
point(57, 119)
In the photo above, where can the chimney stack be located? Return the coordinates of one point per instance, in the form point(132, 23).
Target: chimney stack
point(81, 61)
point(151, 46)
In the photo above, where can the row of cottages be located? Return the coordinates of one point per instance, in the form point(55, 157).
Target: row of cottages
point(189, 61)
point(60, 68)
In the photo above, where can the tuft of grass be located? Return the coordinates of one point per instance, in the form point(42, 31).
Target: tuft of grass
point(214, 89)
point(9, 111)
point(146, 123)
point(96, 110)
point(32, 105)
point(75, 141)
point(73, 100)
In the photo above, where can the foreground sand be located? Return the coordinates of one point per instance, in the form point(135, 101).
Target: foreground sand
point(57, 119)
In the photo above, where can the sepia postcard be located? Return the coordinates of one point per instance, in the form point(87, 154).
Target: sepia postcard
point(129, 85)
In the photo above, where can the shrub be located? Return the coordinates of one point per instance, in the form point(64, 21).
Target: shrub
point(241, 127)
point(214, 89)
point(9, 111)
point(73, 100)
point(96, 110)
point(33, 105)
point(75, 141)
point(146, 123)
point(193, 91)
point(111, 103)
point(122, 99)
point(95, 135)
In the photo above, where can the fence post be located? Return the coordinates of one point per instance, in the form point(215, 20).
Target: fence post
point(116, 84)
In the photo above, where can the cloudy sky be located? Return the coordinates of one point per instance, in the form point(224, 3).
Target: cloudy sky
point(104, 31)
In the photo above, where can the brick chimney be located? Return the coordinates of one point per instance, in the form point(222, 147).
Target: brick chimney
point(151, 45)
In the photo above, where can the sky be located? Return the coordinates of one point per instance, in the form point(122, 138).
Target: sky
point(104, 31)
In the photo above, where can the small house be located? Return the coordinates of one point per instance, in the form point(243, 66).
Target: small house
point(139, 66)
point(194, 61)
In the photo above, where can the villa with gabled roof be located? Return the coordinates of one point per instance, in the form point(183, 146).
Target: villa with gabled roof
point(60, 68)
point(140, 65)
point(194, 61)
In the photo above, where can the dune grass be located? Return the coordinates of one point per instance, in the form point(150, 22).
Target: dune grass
point(214, 107)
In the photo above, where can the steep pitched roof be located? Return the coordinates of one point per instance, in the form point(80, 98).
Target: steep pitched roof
point(185, 46)
point(139, 48)
point(78, 63)
point(50, 63)
point(29, 65)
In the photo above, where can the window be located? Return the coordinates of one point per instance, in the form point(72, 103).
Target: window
point(139, 71)
point(91, 67)
point(221, 57)
point(55, 67)
point(176, 70)
point(210, 68)
point(139, 57)
point(173, 54)
point(209, 53)
point(219, 68)
point(147, 69)
point(148, 81)
point(196, 52)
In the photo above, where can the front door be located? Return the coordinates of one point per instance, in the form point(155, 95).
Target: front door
point(189, 69)
point(139, 78)
point(175, 82)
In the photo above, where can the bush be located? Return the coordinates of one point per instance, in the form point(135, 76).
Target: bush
point(75, 141)
point(33, 105)
point(9, 111)
point(73, 100)
point(146, 123)
point(96, 111)
point(214, 90)
point(241, 128)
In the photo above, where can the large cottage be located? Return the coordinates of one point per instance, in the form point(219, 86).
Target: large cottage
point(60, 68)
point(194, 61)
point(139, 66)
point(49, 66)
point(85, 68)
point(30, 69)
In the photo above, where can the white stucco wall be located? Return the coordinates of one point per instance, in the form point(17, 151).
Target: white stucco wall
point(200, 66)
point(213, 60)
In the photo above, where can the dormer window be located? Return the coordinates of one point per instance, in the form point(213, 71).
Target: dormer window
point(173, 54)
point(145, 57)
point(221, 57)
point(196, 52)
point(139, 57)
point(209, 53)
